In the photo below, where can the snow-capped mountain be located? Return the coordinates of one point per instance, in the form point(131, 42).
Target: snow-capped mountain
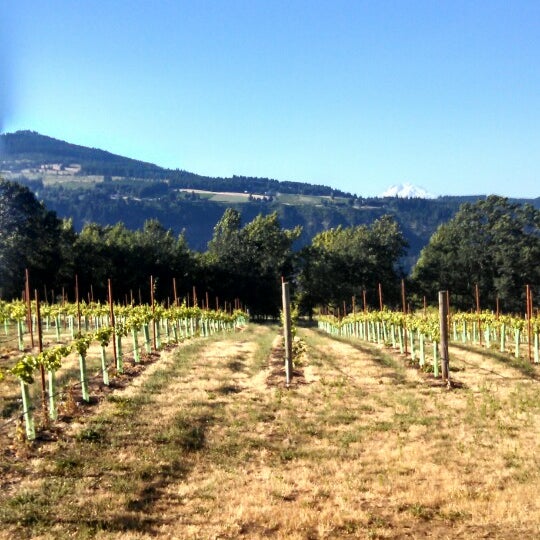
point(407, 191)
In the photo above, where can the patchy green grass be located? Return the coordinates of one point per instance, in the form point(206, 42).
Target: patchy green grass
point(210, 443)
point(523, 365)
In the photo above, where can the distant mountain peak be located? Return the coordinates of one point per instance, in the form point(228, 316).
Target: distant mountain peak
point(407, 191)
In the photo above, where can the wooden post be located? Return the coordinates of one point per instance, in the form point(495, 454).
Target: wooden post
point(443, 325)
point(529, 317)
point(195, 301)
point(28, 306)
point(153, 312)
point(477, 294)
point(364, 300)
point(40, 349)
point(448, 307)
point(78, 303)
point(353, 300)
point(404, 306)
point(174, 292)
point(111, 312)
point(207, 301)
point(380, 298)
point(287, 333)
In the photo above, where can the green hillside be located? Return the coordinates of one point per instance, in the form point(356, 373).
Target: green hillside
point(92, 185)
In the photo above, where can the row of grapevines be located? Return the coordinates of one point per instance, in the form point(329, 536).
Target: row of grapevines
point(175, 323)
point(395, 329)
point(416, 331)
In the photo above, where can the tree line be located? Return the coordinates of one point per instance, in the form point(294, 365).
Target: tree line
point(493, 243)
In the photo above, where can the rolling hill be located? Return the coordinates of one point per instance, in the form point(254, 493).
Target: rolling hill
point(93, 185)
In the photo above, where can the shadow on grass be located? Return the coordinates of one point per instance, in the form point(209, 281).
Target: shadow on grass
point(395, 369)
point(519, 364)
point(237, 365)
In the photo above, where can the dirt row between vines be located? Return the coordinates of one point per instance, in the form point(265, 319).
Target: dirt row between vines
point(208, 443)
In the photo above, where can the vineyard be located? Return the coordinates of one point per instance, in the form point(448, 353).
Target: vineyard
point(77, 330)
point(507, 334)
point(143, 421)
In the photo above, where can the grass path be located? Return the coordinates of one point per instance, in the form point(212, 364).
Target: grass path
point(210, 444)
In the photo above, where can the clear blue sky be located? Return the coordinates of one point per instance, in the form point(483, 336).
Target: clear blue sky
point(358, 94)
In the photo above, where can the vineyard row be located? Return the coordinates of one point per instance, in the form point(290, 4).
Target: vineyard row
point(416, 334)
point(95, 324)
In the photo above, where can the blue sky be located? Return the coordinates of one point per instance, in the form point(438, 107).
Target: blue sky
point(358, 95)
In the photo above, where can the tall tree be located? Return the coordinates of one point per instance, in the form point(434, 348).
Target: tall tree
point(129, 258)
point(343, 262)
point(492, 243)
point(248, 262)
point(30, 237)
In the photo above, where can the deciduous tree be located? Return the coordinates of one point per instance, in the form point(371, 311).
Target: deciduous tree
point(493, 243)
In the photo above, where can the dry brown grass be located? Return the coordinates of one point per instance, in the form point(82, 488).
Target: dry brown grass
point(210, 444)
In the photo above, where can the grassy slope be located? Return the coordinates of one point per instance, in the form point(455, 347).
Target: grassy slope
point(210, 444)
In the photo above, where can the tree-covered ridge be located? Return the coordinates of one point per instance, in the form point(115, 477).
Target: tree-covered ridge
point(493, 243)
point(24, 148)
point(107, 189)
point(138, 194)
point(29, 147)
point(244, 261)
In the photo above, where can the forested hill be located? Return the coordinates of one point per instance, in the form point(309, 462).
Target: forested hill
point(27, 150)
point(90, 185)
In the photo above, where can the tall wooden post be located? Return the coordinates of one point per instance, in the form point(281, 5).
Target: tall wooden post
point(111, 312)
point(28, 306)
point(404, 306)
point(477, 294)
point(153, 312)
point(78, 304)
point(364, 299)
point(443, 325)
point(529, 317)
point(287, 331)
point(40, 349)
point(380, 298)
point(174, 291)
